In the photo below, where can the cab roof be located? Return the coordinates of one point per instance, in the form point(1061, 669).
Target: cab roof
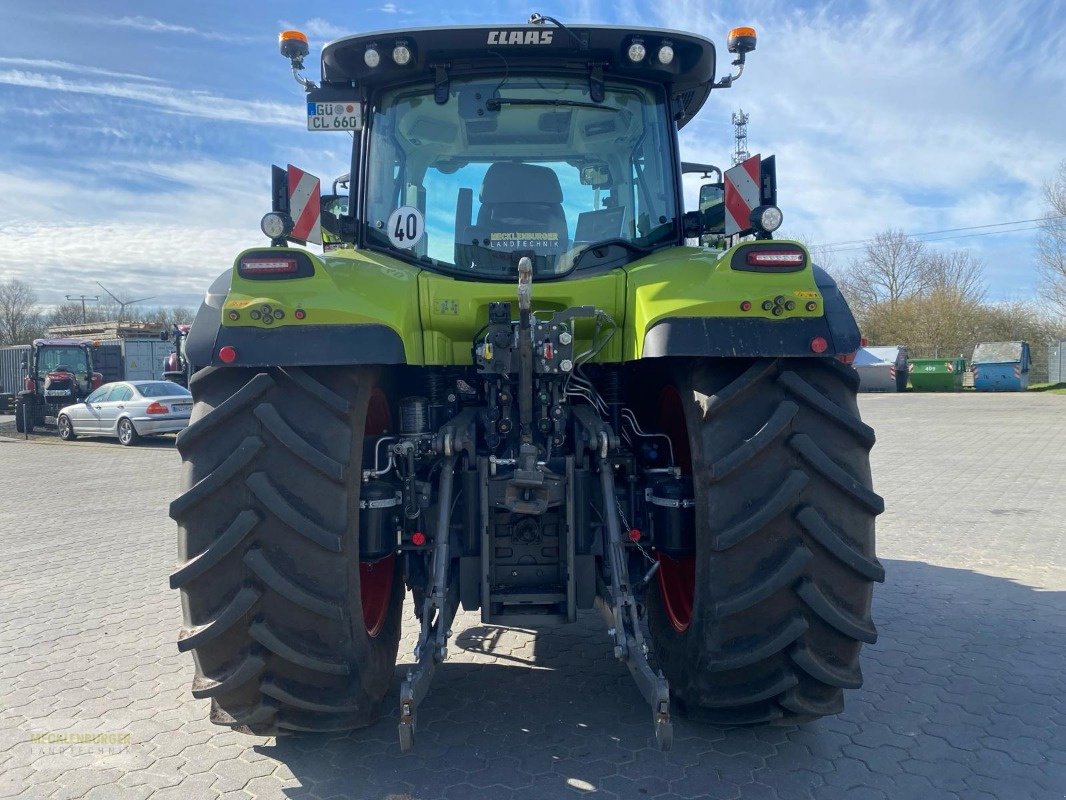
point(517, 49)
point(60, 343)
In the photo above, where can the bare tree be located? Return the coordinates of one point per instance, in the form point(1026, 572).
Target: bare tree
point(821, 254)
point(20, 318)
point(892, 268)
point(956, 275)
point(1051, 246)
point(168, 316)
point(71, 314)
point(182, 315)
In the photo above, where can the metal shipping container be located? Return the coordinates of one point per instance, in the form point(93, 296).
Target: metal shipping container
point(11, 367)
point(881, 369)
point(107, 360)
point(1001, 367)
point(145, 358)
point(937, 374)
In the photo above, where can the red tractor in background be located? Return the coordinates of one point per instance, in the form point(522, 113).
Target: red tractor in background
point(176, 365)
point(57, 373)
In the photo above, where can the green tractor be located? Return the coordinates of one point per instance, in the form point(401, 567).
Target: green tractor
point(508, 385)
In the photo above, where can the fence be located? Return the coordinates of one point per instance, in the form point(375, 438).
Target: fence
point(11, 367)
point(1056, 362)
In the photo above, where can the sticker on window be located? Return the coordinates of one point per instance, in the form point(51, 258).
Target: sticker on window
point(406, 227)
point(524, 240)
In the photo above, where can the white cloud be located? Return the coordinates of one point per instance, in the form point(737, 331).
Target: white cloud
point(318, 28)
point(193, 103)
point(170, 243)
point(912, 116)
point(82, 69)
point(153, 25)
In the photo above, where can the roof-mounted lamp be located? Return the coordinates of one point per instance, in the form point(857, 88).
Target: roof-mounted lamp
point(293, 46)
point(740, 42)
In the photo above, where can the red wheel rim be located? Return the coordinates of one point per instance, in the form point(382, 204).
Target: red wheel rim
point(375, 590)
point(375, 577)
point(677, 576)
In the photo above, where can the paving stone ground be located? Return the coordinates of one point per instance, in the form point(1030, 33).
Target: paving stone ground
point(963, 696)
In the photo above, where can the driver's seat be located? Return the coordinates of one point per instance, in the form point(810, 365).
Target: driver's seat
point(521, 209)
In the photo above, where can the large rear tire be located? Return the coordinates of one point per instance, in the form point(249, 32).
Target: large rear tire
point(288, 630)
point(765, 622)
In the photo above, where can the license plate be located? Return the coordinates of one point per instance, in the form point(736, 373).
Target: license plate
point(56, 392)
point(344, 116)
point(181, 407)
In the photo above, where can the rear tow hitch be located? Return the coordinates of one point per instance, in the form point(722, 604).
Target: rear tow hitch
point(438, 611)
point(620, 612)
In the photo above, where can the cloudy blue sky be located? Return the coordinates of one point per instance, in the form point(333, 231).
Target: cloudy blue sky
point(136, 138)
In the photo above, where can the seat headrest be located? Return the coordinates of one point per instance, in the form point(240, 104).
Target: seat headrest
point(520, 183)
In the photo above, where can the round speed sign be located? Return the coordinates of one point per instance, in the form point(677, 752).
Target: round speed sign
point(406, 227)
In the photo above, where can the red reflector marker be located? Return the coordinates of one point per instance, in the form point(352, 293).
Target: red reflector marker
point(819, 344)
point(634, 535)
point(157, 408)
point(299, 313)
point(268, 266)
point(745, 306)
point(418, 538)
point(774, 258)
point(227, 355)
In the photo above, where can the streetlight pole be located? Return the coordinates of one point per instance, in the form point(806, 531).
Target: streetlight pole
point(83, 299)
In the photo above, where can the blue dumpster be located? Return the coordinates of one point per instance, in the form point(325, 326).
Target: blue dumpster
point(1001, 367)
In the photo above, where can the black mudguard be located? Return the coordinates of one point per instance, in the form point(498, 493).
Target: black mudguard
point(734, 337)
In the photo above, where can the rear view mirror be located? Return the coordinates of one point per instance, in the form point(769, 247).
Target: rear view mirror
point(334, 206)
point(712, 208)
point(25, 363)
point(596, 175)
point(711, 194)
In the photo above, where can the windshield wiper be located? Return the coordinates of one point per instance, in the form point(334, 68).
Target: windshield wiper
point(494, 103)
point(655, 237)
point(624, 243)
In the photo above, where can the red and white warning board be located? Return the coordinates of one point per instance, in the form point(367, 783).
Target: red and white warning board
point(305, 205)
point(742, 195)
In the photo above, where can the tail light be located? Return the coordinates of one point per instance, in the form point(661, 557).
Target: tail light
point(268, 266)
point(767, 257)
point(275, 263)
point(157, 408)
point(774, 258)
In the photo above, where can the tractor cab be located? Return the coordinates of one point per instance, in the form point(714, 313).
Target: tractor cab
point(475, 146)
point(56, 373)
